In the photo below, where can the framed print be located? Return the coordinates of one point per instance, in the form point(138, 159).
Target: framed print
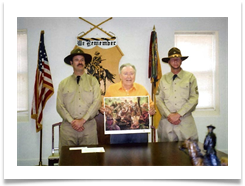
point(126, 115)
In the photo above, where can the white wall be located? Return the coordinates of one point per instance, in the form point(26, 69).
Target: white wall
point(133, 39)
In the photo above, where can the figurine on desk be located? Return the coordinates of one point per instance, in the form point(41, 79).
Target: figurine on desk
point(210, 158)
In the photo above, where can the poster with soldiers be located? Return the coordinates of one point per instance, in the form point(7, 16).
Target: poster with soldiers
point(126, 115)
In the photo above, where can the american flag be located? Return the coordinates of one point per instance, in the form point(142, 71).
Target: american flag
point(43, 87)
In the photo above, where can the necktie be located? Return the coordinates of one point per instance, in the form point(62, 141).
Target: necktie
point(175, 75)
point(78, 79)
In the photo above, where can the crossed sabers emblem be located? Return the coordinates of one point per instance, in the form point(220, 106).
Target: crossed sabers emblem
point(95, 26)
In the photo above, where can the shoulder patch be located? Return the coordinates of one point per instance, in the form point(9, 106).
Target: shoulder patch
point(196, 89)
point(158, 90)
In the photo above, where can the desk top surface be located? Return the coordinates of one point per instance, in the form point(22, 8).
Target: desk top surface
point(150, 154)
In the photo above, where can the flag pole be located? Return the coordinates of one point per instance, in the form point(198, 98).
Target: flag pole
point(41, 144)
point(152, 121)
point(41, 135)
point(153, 134)
point(155, 73)
point(153, 99)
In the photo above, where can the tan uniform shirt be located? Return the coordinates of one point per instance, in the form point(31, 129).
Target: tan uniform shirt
point(76, 101)
point(181, 96)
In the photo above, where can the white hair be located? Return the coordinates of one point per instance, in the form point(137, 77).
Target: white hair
point(127, 65)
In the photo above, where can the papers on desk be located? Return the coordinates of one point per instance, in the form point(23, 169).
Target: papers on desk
point(88, 150)
point(93, 149)
point(77, 148)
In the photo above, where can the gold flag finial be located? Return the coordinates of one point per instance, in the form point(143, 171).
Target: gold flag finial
point(154, 28)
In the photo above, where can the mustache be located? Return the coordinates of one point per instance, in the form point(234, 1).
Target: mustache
point(80, 64)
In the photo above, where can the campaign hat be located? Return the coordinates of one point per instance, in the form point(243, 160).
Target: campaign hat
point(211, 126)
point(174, 52)
point(78, 51)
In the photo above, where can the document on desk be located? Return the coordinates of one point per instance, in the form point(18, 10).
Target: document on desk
point(88, 149)
point(77, 148)
point(93, 150)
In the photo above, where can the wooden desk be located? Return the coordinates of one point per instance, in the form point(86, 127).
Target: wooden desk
point(151, 154)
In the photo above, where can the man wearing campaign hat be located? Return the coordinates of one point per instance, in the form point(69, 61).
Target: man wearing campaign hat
point(177, 98)
point(78, 102)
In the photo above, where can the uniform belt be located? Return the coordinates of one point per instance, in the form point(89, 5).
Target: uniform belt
point(187, 114)
point(74, 119)
point(89, 119)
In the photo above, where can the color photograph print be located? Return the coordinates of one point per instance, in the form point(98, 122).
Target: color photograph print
point(126, 115)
